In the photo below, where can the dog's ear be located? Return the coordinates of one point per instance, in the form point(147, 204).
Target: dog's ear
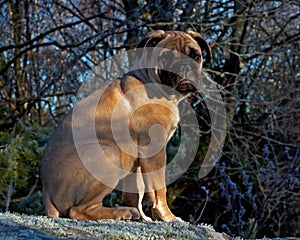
point(152, 39)
point(202, 43)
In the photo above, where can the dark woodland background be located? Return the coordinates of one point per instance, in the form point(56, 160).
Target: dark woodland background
point(47, 48)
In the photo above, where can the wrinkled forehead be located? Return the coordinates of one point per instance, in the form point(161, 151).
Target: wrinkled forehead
point(181, 42)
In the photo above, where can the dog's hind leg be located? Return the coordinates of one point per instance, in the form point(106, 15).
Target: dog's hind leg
point(133, 192)
point(91, 208)
point(50, 209)
point(97, 211)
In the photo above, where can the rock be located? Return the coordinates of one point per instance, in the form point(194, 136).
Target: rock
point(20, 226)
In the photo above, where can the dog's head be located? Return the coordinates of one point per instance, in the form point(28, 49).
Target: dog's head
point(179, 59)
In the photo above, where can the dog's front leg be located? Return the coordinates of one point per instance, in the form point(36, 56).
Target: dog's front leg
point(153, 171)
point(133, 192)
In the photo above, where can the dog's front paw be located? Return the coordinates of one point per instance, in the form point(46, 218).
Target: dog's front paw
point(164, 215)
point(145, 218)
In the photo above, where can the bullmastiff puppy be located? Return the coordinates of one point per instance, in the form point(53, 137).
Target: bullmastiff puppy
point(75, 178)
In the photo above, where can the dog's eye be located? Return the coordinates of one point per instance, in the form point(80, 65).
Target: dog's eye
point(196, 56)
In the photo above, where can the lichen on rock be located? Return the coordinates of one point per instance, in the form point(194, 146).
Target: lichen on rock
point(20, 226)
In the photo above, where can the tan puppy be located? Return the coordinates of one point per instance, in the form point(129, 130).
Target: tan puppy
point(72, 170)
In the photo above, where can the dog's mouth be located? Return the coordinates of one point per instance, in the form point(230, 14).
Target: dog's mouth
point(185, 86)
point(178, 83)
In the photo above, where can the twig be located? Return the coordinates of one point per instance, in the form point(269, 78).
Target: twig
point(205, 203)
